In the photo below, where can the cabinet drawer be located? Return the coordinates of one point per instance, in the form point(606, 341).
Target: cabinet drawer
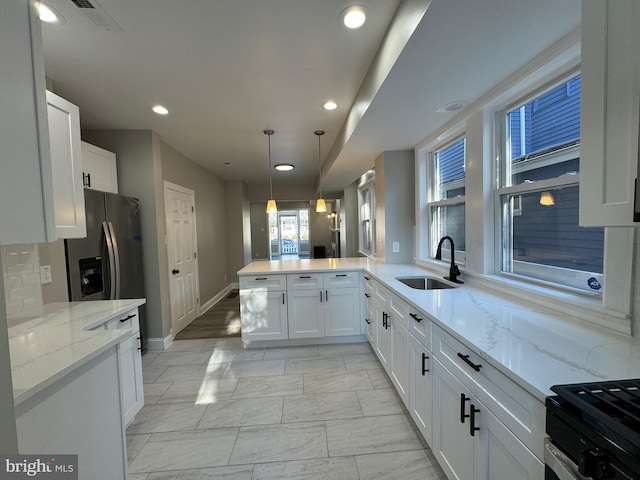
point(305, 281)
point(520, 411)
point(398, 310)
point(268, 282)
point(420, 327)
point(341, 279)
point(126, 320)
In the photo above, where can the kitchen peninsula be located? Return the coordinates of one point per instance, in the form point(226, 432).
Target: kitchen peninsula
point(466, 349)
point(70, 366)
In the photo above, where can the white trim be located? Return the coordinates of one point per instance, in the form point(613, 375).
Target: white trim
point(532, 187)
point(305, 341)
point(447, 201)
point(159, 344)
point(205, 307)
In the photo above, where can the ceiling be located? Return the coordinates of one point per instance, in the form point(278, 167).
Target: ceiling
point(228, 69)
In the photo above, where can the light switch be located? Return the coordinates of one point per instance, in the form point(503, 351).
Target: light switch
point(396, 247)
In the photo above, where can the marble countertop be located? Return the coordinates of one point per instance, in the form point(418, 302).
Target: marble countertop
point(48, 342)
point(535, 347)
point(293, 266)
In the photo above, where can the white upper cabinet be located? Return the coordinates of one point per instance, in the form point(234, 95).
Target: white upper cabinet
point(99, 169)
point(66, 161)
point(26, 193)
point(610, 113)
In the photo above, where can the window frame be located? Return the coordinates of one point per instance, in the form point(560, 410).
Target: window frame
point(433, 200)
point(367, 184)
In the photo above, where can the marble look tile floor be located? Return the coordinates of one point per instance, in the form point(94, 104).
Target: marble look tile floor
point(215, 411)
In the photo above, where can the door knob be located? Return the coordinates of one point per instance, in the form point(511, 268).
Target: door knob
point(175, 272)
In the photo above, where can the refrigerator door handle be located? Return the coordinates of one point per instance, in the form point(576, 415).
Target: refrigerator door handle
point(112, 267)
point(116, 254)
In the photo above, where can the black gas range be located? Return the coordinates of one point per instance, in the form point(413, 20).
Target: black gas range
point(594, 431)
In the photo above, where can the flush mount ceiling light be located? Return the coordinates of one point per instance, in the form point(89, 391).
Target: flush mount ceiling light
point(284, 167)
point(160, 110)
point(321, 206)
point(49, 14)
point(453, 106)
point(271, 204)
point(354, 16)
point(330, 105)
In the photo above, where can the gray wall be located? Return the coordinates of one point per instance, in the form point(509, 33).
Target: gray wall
point(395, 213)
point(259, 231)
point(238, 228)
point(8, 435)
point(349, 221)
point(211, 218)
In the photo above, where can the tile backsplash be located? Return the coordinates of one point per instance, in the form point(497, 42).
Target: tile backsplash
point(21, 272)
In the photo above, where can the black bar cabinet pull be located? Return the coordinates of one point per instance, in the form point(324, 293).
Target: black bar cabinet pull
point(305, 276)
point(89, 180)
point(415, 317)
point(367, 278)
point(463, 399)
point(384, 319)
point(283, 298)
point(128, 317)
point(475, 366)
point(424, 369)
point(320, 296)
point(341, 275)
point(368, 321)
point(472, 424)
point(261, 278)
point(367, 295)
point(326, 295)
point(140, 343)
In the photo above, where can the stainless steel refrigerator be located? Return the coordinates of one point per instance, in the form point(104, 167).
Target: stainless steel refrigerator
point(107, 265)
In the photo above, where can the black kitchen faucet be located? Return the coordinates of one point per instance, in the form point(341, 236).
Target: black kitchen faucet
point(454, 271)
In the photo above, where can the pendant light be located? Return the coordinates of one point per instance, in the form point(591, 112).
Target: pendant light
point(271, 204)
point(321, 206)
point(546, 199)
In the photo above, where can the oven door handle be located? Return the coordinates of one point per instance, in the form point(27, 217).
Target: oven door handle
point(560, 464)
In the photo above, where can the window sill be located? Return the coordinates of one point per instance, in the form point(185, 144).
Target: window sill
point(584, 308)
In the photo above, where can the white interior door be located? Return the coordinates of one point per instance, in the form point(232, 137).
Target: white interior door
point(181, 253)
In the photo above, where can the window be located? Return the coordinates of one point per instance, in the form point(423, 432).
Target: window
point(538, 193)
point(366, 216)
point(446, 204)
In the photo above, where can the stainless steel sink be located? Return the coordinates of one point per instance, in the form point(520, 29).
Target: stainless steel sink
point(424, 283)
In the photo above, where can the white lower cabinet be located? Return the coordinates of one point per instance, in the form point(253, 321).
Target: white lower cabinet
point(391, 345)
point(420, 387)
point(130, 365)
point(469, 441)
point(264, 314)
point(323, 304)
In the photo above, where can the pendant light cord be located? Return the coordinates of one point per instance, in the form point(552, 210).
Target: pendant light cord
point(268, 133)
point(319, 133)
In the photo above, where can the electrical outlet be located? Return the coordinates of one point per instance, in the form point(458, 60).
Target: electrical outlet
point(45, 274)
point(225, 277)
point(396, 247)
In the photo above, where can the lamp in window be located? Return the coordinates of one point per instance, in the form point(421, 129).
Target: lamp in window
point(271, 204)
point(546, 199)
point(321, 206)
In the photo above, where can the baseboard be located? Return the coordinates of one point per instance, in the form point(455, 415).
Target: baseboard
point(298, 342)
point(219, 296)
point(159, 344)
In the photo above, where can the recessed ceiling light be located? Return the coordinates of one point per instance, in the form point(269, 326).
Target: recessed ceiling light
point(160, 110)
point(453, 106)
point(353, 16)
point(330, 105)
point(284, 167)
point(49, 14)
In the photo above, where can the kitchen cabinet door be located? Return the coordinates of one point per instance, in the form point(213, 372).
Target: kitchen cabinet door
point(383, 335)
point(26, 190)
point(499, 453)
point(130, 359)
point(400, 357)
point(452, 444)
point(342, 311)
point(99, 169)
point(420, 387)
point(610, 67)
point(306, 313)
point(66, 160)
point(263, 313)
